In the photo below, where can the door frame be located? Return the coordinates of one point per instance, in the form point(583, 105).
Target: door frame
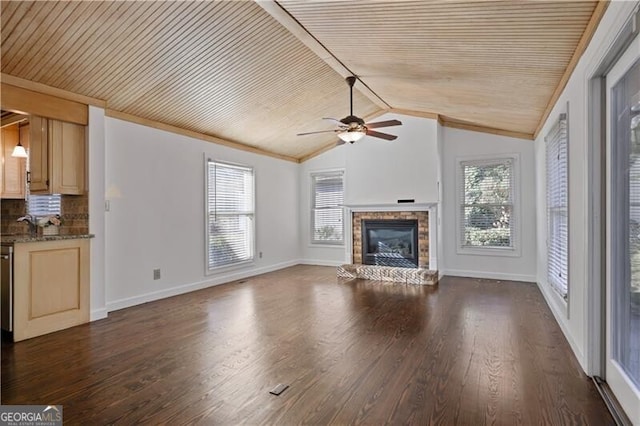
point(597, 196)
point(595, 333)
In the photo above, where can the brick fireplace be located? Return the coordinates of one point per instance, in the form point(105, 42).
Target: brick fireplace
point(424, 213)
point(422, 217)
point(426, 272)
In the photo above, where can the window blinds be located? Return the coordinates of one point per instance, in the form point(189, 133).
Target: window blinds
point(557, 211)
point(328, 197)
point(44, 205)
point(487, 203)
point(230, 214)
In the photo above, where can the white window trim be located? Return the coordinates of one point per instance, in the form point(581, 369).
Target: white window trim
point(556, 292)
point(324, 244)
point(242, 264)
point(516, 250)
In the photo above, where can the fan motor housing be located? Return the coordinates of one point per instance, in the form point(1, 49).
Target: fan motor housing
point(352, 119)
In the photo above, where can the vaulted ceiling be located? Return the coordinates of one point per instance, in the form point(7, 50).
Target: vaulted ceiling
point(259, 73)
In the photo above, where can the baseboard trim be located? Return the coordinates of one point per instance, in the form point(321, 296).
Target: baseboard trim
point(321, 262)
point(562, 321)
point(490, 275)
point(98, 314)
point(187, 288)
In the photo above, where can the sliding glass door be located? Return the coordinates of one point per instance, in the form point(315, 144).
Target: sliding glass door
point(623, 231)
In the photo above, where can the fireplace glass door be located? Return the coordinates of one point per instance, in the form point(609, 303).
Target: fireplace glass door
point(390, 243)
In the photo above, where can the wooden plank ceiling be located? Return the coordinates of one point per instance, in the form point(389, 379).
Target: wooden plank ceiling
point(495, 64)
point(231, 70)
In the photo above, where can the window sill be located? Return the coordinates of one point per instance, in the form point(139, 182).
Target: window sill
point(489, 251)
point(327, 245)
point(226, 268)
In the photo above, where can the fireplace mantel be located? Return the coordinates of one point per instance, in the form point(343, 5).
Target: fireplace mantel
point(432, 208)
point(402, 207)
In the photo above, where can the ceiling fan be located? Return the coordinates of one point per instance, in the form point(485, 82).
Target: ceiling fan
point(351, 128)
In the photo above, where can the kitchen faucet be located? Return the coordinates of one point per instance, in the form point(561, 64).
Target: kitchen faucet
point(31, 220)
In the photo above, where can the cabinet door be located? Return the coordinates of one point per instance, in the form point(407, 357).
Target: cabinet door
point(12, 176)
point(67, 157)
point(51, 286)
point(38, 155)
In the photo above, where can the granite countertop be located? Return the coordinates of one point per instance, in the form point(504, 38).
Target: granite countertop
point(26, 238)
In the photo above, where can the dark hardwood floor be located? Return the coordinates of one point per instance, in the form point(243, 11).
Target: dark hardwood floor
point(468, 352)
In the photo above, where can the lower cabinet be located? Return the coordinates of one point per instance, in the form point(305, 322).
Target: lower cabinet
point(51, 286)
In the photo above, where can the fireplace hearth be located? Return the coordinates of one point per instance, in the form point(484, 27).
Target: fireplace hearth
point(392, 242)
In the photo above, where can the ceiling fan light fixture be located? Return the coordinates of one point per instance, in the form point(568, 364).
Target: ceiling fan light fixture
point(352, 136)
point(353, 128)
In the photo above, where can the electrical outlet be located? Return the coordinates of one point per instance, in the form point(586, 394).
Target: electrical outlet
point(260, 255)
point(156, 274)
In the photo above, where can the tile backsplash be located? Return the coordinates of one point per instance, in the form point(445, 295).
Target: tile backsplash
point(75, 215)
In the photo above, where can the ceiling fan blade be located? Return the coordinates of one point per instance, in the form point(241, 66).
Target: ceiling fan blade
point(332, 119)
point(380, 135)
point(313, 133)
point(387, 123)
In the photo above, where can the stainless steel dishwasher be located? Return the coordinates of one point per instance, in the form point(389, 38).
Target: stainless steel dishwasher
point(7, 288)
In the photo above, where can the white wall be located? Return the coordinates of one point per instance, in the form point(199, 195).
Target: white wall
point(382, 172)
point(574, 317)
point(156, 218)
point(462, 143)
point(96, 167)
point(376, 172)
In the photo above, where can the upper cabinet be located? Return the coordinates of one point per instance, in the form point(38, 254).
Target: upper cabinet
point(56, 157)
point(13, 171)
point(38, 156)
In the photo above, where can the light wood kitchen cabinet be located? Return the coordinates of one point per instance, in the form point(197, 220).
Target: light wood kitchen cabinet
point(58, 162)
point(13, 172)
point(51, 286)
point(38, 155)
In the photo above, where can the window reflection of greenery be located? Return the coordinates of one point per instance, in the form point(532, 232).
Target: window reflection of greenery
point(487, 208)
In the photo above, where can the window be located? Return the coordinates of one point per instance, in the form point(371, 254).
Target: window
point(557, 211)
point(487, 215)
point(43, 205)
point(230, 213)
point(326, 216)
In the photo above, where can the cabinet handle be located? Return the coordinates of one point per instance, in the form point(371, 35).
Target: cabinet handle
point(28, 177)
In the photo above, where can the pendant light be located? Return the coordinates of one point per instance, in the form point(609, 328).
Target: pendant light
point(19, 151)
